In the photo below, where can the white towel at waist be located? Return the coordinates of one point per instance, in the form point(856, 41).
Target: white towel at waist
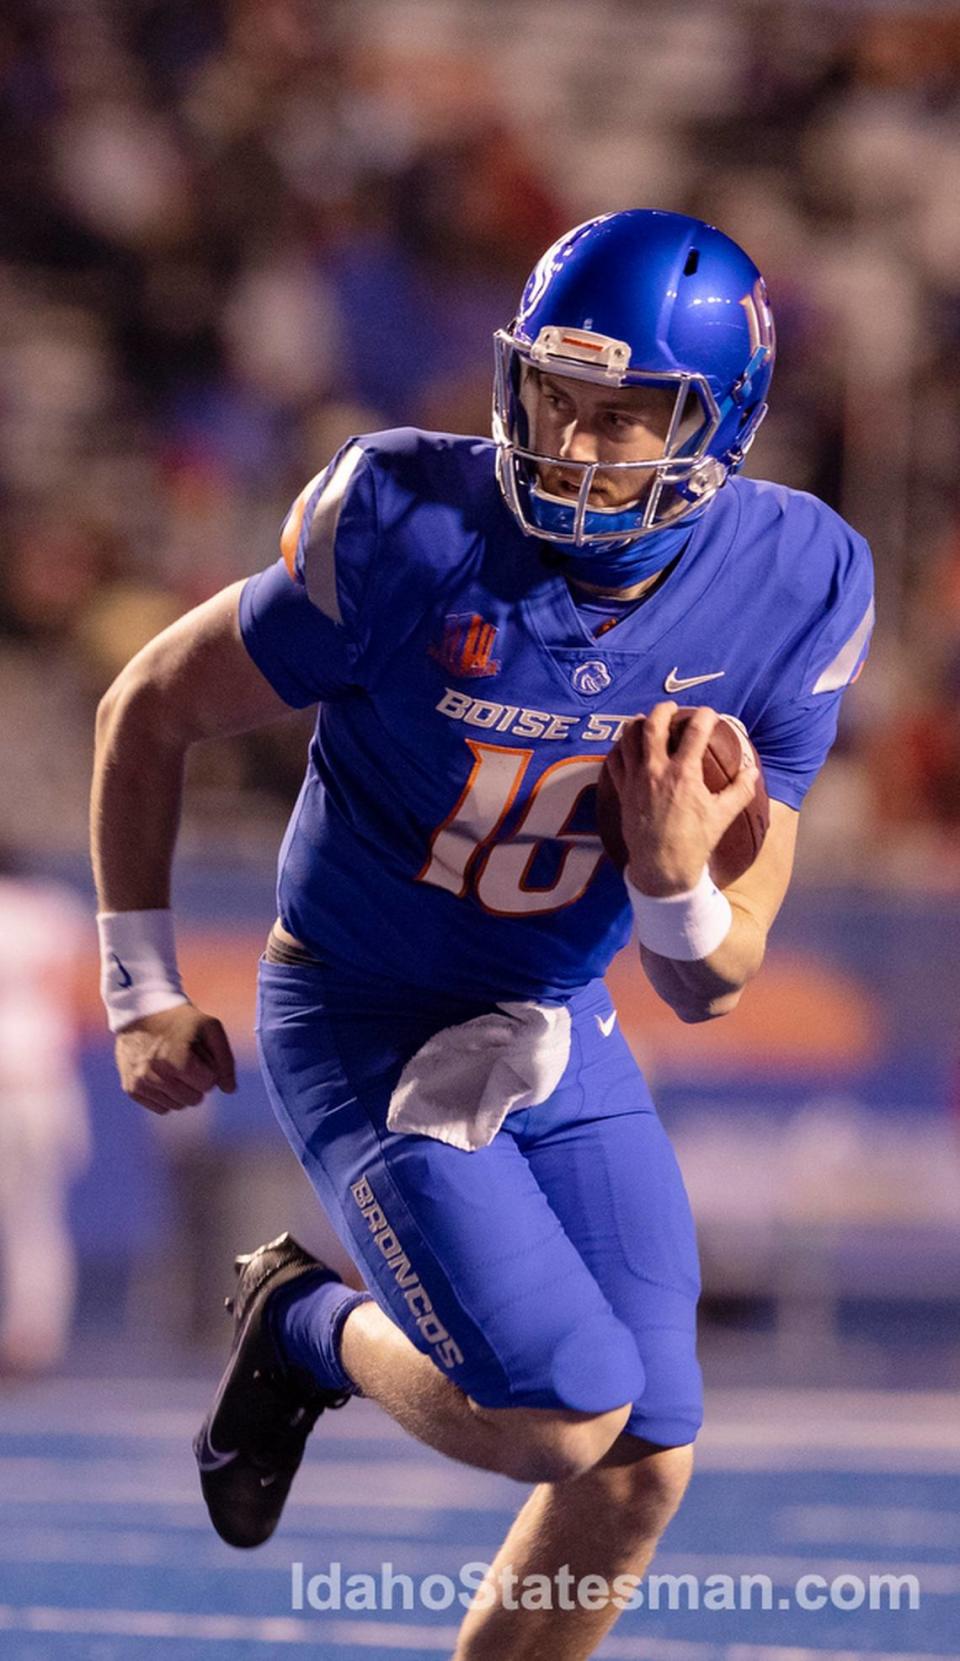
point(462, 1083)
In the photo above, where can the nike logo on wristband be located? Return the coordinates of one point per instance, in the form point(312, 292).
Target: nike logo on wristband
point(124, 977)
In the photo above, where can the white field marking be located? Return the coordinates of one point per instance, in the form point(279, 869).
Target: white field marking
point(652, 1649)
point(717, 1438)
point(827, 1434)
point(779, 1652)
point(888, 1525)
point(879, 1461)
point(177, 1524)
point(126, 1547)
point(385, 1635)
point(77, 1398)
point(396, 1484)
point(138, 1549)
point(183, 1518)
point(155, 1623)
point(381, 1635)
point(174, 1424)
point(936, 1579)
point(756, 1417)
point(345, 1486)
point(774, 1401)
point(79, 1403)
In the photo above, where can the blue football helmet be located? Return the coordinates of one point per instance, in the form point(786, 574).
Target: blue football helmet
point(633, 299)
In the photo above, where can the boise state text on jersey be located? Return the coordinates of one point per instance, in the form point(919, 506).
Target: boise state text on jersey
point(445, 835)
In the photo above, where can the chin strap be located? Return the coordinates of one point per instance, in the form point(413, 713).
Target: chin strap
point(631, 562)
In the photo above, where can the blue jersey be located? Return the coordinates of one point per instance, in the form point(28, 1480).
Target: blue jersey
point(445, 835)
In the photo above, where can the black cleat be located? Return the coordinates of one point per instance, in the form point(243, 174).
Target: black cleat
point(250, 1445)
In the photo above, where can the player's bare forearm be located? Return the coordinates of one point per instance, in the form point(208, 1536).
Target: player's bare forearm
point(195, 680)
point(710, 986)
point(671, 824)
point(135, 805)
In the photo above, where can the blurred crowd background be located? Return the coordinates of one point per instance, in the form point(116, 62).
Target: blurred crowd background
point(233, 233)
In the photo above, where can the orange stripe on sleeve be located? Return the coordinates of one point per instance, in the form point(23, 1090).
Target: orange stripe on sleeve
point(290, 535)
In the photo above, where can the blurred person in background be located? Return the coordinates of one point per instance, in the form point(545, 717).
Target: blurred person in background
point(44, 1132)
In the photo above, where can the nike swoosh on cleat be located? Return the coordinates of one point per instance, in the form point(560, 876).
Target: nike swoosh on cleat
point(676, 683)
point(210, 1458)
point(606, 1023)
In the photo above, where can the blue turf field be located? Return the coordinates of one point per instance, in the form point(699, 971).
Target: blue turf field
point(106, 1554)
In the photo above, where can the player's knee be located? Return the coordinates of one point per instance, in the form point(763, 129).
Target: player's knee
point(644, 1484)
point(542, 1445)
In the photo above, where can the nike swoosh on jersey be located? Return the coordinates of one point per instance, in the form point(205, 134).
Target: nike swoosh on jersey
point(674, 683)
point(210, 1458)
point(606, 1023)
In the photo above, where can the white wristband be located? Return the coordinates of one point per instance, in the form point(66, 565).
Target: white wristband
point(138, 965)
point(682, 926)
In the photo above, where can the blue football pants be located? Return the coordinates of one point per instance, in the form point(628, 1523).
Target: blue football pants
point(555, 1268)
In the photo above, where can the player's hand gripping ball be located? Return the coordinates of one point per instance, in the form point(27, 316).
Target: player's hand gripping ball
point(725, 753)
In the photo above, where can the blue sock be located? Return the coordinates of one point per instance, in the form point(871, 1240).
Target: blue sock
point(306, 1320)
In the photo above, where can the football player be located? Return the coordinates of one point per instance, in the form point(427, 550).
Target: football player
point(480, 622)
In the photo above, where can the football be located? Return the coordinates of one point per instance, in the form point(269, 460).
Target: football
point(742, 841)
